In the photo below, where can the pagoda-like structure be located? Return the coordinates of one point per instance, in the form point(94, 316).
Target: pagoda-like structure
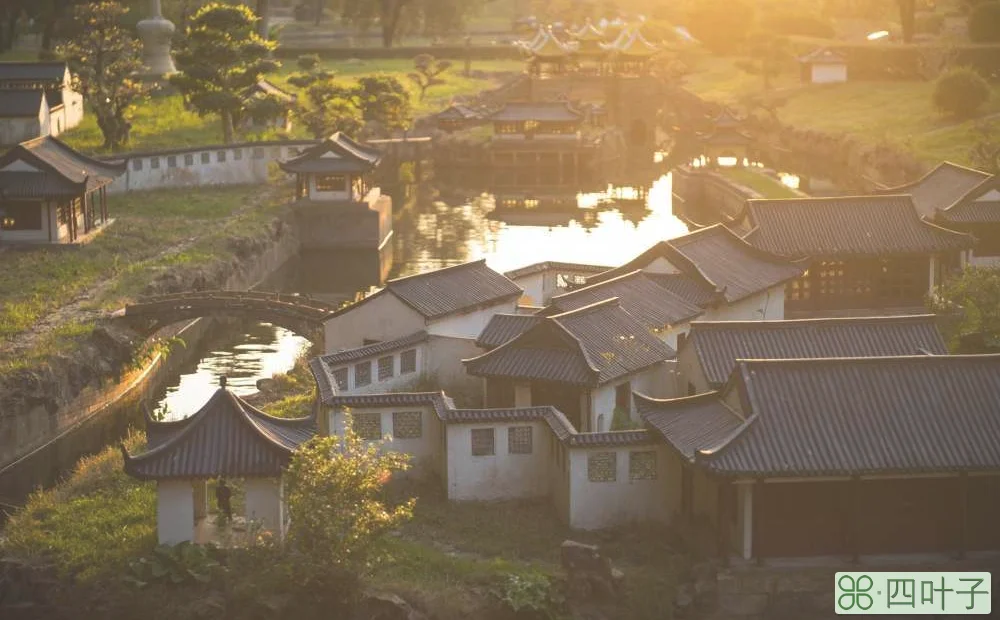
point(630, 53)
point(549, 55)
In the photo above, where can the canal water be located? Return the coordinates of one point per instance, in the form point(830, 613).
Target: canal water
point(603, 228)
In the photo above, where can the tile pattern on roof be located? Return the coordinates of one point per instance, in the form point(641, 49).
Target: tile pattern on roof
point(385, 346)
point(350, 156)
point(866, 416)
point(20, 103)
point(981, 205)
point(64, 172)
point(719, 344)
point(690, 424)
point(940, 188)
point(536, 111)
point(439, 293)
point(53, 71)
point(505, 327)
point(535, 268)
point(846, 227)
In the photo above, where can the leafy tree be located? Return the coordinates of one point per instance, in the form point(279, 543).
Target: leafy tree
point(427, 72)
point(329, 108)
point(960, 92)
point(984, 23)
point(970, 305)
point(104, 57)
point(384, 100)
point(335, 489)
point(220, 56)
point(767, 55)
point(722, 25)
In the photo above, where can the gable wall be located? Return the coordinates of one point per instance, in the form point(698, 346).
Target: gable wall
point(381, 317)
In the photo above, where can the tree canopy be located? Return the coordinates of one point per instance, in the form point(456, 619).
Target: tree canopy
point(970, 309)
point(104, 58)
point(219, 57)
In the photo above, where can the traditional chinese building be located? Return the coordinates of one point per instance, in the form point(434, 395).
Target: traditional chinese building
point(629, 54)
point(726, 143)
point(590, 52)
point(823, 66)
point(456, 117)
point(226, 438)
point(24, 115)
point(49, 193)
point(840, 458)
point(547, 55)
point(867, 253)
point(55, 80)
point(977, 213)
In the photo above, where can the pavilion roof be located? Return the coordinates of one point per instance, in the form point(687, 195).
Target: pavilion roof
point(981, 205)
point(50, 71)
point(548, 46)
point(264, 87)
point(45, 167)
point(588, 32)
point(537, 111)
point(338, 153)
point(940, 188)
point(226, 437)
point(631, 43)
point(823, 56)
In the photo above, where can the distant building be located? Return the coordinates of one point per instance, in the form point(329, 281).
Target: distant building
point(823, 66)
point(456, 117)
point(49, 193)
point(280, 119)
point(542, 281)
point(24, 115)
point(54, 78)
point(977, 213)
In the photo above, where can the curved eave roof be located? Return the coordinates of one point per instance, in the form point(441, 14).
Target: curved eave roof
point(550, 47)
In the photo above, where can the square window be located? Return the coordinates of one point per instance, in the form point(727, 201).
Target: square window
point(362, 374)
point(154, 162)
point(368, 425)
point(482, 442)
point(136, 164)
point(220, 156)
point(276, 152)
point(386, 367)
point(642, 465)
point(340, 378)
point(602, 467)
point(258, 152)
point(331, 183)
point(237, 154)
point(407, 424)
point(519, 440)
point(206, 158)
point(189, 159)
point(171, 161)
point(408, 361)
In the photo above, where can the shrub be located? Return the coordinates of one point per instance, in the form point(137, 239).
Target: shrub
point(307, 62)
point(960, 92)
point(984, 23)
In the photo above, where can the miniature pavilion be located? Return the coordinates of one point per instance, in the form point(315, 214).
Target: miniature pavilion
point(630, 53)
point(549, 55)
point(338, 169)
point(226, 438)
point(49, 193)
point(589, 42)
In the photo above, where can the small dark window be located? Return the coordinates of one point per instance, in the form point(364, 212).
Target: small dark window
point(258, 152)
point(171, 161)
point(15, 216)
point(483, 442)
point(206, 158)
point(220, 156)
point(340, 378)
point(136, 164)
point(519, 440)
point(408, 361)
point(154, 162)
point(368, 425)
point(407, 425)
point(237, 154)
point(386, 367)
point(362, 374)
point(189, 160)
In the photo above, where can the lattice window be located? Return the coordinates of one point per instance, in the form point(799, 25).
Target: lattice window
point(519, 440)
point(206, 158)
point(220, 156)
point(510, 128)
point(189, 159)
point(407, 424)
point(362, 374)
point(340, 378)
point(368, 425)
point(483, 443)
point(171, 161)
point(386, 367)
point(331, 183)
point(136, 164)
point(798, 289)
point(258, 152)
point(154, 163)
point(237, 154)
point(642, 465)
point(602, 467)
point(408, 361)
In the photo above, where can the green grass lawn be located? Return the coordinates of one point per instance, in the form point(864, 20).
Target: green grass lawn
point(762, 184)
point(153, 232)
point(162, 122)
point(896, 112)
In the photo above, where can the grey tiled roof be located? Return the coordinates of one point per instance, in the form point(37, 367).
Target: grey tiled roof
point(923, 414)
point(64, 172)
point(714, 258)
point(457, 112)
point(981, 205)
point(823, 55)
point(536, 111)
point(588, 346)
point(20, 103)
point(694, 291)
point(226, 437)
point(848, 226)
point(267, 88)
point(655, 306)
point(611, 439)
point(719, 344)
point(438, 400)
point(690, 424)
point(941, 187)
point(561, 427)
point(441, 292)
point(541, 267)
point(342, 154)
point(385, 346)
point(53, 71)
point(504, 327)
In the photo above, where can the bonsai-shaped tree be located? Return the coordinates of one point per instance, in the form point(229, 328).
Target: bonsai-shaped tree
point(104, 58)
point(383, 100)
point(219, 58)
point(427, 72)
point(329, 108)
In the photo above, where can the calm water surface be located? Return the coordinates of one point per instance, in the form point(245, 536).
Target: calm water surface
point(436, 234)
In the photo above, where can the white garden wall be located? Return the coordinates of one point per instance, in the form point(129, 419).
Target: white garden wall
point(500, 475)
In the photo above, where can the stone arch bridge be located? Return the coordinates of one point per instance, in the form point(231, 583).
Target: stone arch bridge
point(303, 315)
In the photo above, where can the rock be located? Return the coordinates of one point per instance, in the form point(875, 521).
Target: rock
point(386, 607)
point(589, 574)
point(267, 385)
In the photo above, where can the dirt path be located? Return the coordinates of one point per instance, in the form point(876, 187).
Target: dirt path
point(82, 309)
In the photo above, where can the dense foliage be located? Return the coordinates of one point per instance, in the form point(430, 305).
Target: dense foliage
point(219, 58)
point(104, 58)
point(984, 22)
point(969, 307)
point(960, 92)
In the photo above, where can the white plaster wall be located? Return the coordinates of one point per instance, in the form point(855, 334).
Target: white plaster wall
point(691, 371)
point(599, 505)
point(445, 368)
point(470, 324)
point(72, 108)
point(20, 129)
point(503, 475)
point(765, 306)
point(380, 317)
point(706, 495)
point(829, 74)
point(984, 261)
point(395, 383)
point(660, 381)
point(660, 265)
point(174, 511)
point(671, 483)
point(425, 451)
point(602, 402)
point(263, 503)
point(558, 476)
point(534, 289)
